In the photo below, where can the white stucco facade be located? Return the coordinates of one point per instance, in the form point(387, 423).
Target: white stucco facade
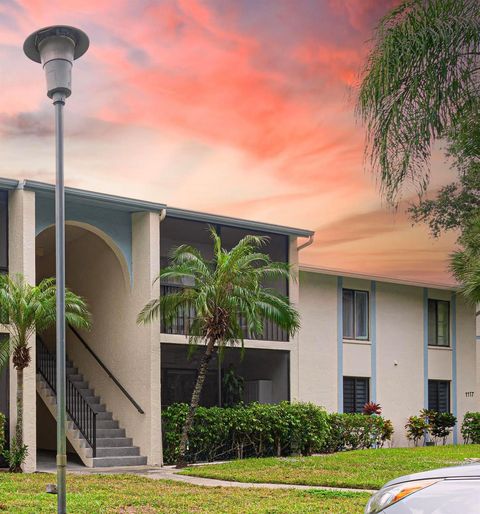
point(113, 256)
point(396, 358)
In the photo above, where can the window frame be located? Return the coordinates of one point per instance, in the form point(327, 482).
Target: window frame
point(355, 379)
point(435, 342)
point(449, 394)
point(354, 315)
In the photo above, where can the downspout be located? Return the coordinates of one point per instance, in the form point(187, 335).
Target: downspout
point(163, 213)
point(307, 243)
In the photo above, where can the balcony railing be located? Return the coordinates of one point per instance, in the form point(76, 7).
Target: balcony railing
point(182, 322)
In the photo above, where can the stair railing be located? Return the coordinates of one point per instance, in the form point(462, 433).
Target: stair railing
point(79, 410)
point(107, 371)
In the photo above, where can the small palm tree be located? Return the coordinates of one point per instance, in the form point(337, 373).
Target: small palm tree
point(24, 310)
point(229, 285)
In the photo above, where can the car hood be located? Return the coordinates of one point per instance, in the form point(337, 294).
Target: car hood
point(463, 471)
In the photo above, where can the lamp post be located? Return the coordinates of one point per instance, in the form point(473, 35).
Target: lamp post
point(56, 48)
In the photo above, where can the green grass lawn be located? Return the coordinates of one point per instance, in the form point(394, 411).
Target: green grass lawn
point(128, 494)
point(368, 469)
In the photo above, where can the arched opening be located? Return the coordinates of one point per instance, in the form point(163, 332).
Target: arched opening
point(96, 270)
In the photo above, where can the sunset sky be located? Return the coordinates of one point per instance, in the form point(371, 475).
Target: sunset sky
point(237, 107)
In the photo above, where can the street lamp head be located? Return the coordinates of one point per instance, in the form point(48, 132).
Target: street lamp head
point(56, 48)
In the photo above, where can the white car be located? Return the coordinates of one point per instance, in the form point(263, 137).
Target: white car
point(454, 490)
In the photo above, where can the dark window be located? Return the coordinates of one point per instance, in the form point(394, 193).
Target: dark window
point(356, 393)
point(355, 314)
point(3, 231)
point(439, 395)
point(438, 323)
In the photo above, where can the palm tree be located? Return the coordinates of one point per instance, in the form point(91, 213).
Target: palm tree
point(465, 263)
point(421, 80)
point(229, 285)
point(24, 310)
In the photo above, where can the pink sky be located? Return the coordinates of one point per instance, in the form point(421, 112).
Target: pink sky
point(236, 107)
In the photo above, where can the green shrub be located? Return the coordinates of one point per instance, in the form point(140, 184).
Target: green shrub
point(356, 432)
point(254, 430)
point(15, 456)
point(416, 428)
point(262, 430)
point(471, 428)
point(438, 425)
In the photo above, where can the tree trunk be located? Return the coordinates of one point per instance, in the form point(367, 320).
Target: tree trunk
point(19, 423)
point(202, 373)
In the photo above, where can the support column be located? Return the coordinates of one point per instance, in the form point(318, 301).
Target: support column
point(146, 267)
point(21, 257)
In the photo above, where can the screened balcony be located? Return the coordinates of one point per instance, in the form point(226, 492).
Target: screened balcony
point(181, 324)
point(176, 231)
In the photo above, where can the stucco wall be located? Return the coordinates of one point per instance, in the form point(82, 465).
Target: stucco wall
point(131, 352)
point(395, 350)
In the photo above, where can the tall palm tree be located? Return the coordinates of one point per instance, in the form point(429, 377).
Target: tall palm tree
point(24, 310)
point(465, 263)
point(229, 285)
point(421, 79)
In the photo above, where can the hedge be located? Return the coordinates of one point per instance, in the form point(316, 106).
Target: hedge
point(471, 428)
point(262, 430)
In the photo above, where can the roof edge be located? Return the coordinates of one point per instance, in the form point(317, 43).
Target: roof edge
point(237, 222)
point(118, 201)
point(8, 183)
point(378, 278)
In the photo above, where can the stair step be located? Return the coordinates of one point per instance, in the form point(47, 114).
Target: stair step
point(71, 370)
point(80, 384)
point(99, 407)
point(110, 432)
point(104, 462)
point(104, 416)
point(92, 400)
point(109, 442)
point(75, 377)
point(87, 392)
point(115, 451)
point(107, 423)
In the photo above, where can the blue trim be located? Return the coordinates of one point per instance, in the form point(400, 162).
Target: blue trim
point(425, 347)
point(117, 224)
point(454, 365)
point(340, 343)
point(373, 339)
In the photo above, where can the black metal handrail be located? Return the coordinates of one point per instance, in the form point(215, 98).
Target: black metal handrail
point(107, 371)
point(77, 407)
point(182, 322)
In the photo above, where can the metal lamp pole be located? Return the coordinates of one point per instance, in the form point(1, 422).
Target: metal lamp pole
point(56, 48)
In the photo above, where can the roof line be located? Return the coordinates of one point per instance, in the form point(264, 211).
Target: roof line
point(236, 222)
point(8, 183)
point(133, 204)
point(378, 278)
point(119, 201)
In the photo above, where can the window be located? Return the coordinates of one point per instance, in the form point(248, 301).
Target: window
point(356, 393)
point(3, 231)
point(438, 323)
point(355, 314)
point(439, 395)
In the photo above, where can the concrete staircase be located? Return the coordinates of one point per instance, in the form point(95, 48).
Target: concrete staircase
point(113, 447)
